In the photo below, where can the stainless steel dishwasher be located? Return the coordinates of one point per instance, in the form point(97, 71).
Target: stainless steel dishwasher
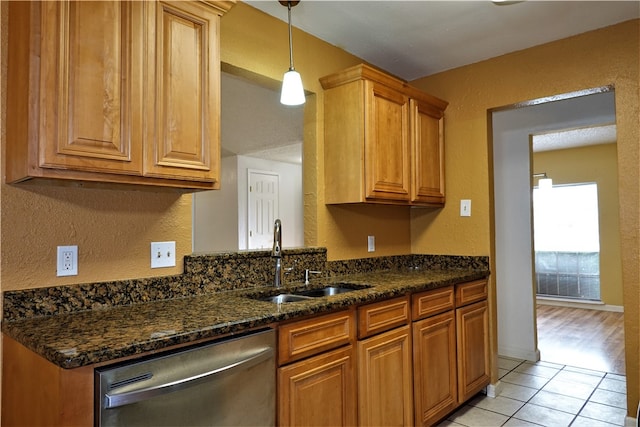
point(227, 383)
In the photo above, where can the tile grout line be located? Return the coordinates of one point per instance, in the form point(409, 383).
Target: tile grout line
point(539, 389)
point(535, 394)
point(587, 401)
point(558, 368)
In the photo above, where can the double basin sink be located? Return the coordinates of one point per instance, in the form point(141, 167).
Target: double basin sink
point(308, 294)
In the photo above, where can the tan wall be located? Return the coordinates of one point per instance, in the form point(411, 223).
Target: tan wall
point(594, 59)
point(599, 164)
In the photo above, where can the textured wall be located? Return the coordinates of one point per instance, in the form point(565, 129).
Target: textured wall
point(594, 59)
point(597, 164)
point(113, 231)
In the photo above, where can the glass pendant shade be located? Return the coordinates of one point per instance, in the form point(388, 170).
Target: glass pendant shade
point(292, 90)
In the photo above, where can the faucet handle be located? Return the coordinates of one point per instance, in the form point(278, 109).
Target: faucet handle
point(288, 270)
point(306, 275)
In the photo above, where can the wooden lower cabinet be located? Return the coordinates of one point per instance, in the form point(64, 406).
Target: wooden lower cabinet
point(473, 349)
point(319, 391)
point(385, 394)
point(35, 392)
point(434, 364)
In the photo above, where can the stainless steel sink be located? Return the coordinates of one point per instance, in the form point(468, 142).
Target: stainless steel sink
point(326, 291)
point(280, 298)
point(308, 294)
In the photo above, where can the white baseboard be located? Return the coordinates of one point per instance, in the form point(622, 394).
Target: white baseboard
point(494, 390)
point(519, 353)
point(589, 305)
point(630, 422)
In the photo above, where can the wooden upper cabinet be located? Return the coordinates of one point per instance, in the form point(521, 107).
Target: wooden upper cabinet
point(183, 141)
point(115, 92)
point(91, 86)
point(384, 140)
point(427, 140)
point(386, 143)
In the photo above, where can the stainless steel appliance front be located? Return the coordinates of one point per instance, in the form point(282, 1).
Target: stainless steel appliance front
point(230, 383)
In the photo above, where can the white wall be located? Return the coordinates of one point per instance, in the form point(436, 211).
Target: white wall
point(220, 216)
point(513, 217)
point(215, 213)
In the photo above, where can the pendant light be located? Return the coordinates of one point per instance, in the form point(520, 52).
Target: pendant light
point(292, 90)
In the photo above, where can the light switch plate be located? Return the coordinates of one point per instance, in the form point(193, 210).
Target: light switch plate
point(163, 254)
point(371, 243)
point(465, 207)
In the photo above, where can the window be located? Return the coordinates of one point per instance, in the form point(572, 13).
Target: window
point(567, 241)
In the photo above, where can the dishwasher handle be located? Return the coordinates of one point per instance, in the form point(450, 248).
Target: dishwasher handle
point(127, 398)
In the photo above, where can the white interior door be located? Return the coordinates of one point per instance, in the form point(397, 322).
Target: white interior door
point(262, 208)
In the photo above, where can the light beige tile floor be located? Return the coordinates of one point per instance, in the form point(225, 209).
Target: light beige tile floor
point(547, 394)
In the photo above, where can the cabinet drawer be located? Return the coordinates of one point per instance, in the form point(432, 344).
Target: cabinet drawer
point(428, 303)
point(308, 337)
point(382, 316)
point(467, 293)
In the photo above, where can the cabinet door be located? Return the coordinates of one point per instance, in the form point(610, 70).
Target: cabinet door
point(319, 391)
point(427, 139)
point(473, 349)
point(384, 379)
point(91, 86)
point(434, 365)
point(182, 140)
point(387, 172)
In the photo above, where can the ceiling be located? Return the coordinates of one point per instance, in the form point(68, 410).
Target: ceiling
point(413, 39)
point(570, 138)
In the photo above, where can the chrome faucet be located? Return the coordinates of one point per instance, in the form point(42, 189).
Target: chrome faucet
point(307, 272)
point(276, 252)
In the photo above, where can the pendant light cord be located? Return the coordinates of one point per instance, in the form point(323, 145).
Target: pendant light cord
point(290, 39)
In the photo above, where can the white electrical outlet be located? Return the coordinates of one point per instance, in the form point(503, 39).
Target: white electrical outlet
point(163, 254)
point(371, 243)
point(465, 207)
point(67, 264)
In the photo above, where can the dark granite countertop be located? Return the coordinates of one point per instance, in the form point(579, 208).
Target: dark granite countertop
point(107, 334)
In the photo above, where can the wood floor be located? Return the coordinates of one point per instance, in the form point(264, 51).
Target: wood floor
point(590, 339)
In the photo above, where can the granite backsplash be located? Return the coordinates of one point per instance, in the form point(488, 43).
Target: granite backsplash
point(215, 273)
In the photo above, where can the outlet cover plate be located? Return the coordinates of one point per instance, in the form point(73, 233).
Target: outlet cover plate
point(67, 264)
point(371, 243)
point(163, 254)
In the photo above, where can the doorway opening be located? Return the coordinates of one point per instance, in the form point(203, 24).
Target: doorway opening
point(514, 162)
